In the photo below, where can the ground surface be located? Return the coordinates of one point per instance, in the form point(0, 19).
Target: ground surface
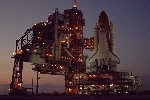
point(123, 97)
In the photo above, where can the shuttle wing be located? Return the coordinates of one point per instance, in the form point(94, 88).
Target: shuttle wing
point(92, 59)
point(113, 57)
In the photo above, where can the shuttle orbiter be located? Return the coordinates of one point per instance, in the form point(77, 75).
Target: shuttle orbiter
point(104, 57)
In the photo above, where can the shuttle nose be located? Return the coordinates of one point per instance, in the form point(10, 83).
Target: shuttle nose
point(103, 20)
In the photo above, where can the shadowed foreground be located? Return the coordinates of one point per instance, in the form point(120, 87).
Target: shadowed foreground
point(123, 97)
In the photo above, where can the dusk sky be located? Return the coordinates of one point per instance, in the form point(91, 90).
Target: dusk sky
point(131, 19)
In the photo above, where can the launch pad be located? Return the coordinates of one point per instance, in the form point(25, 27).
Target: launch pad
point(56, 47)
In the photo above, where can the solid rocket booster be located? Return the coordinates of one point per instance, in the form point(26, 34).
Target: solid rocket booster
point(96, 38)
point(112, 41)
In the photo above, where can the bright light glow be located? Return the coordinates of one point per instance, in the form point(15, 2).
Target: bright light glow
point(20, 51)
point(111, 85)
point(127, 86)
point(69, 89)
point(63, 41)
point(19, 84)
point(34, 50)
point(61, 67)
point(27, 49)
point(14, 53)
point(50, 55)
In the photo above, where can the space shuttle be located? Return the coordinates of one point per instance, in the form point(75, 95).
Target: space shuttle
point(104, 57)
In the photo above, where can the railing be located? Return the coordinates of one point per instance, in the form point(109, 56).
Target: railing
point(24, 40)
